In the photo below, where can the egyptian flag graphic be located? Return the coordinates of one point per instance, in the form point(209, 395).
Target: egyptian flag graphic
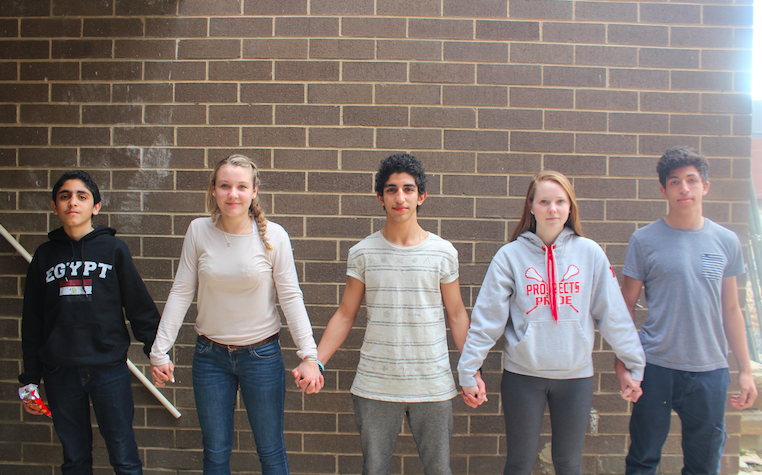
point(75, 288)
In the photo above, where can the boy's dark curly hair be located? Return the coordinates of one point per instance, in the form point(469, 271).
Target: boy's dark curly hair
point(679, 157)
point(401, 163)
point(82, 176)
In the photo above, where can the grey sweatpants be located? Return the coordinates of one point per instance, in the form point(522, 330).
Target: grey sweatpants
point(524, 399)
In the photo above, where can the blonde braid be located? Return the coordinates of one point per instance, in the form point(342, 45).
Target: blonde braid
point(259, 217)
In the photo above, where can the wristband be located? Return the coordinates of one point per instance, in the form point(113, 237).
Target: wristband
point(320, 366)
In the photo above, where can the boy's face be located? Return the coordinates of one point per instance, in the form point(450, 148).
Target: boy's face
point(74, 205)
point(401, 197)
point(685, 189)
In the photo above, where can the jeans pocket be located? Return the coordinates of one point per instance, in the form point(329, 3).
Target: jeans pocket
point(265, 352)
point(202, 346)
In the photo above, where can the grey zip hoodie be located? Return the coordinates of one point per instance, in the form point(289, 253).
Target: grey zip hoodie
point(544, 299)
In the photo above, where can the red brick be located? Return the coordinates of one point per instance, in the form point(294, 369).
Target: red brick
point(375, 116)
point(542, 142)
point(382, 71)
point(208, 136)
point(338, 227)
point(307, 115)
point(700, 124)
point(175, 114)
point(440, 28)
point(573, 76)
point(726, 103)
point(406, 139)
point(8, 114)
point(340, 182)
point(542, 53)
point(339, 49)
point(409, 50)
point(702, 80)
point(605, 143)
point(24, 93)
point(145, 49)
point(639, 78)
point(442, 73)
point(541, 9)
point(9, 71)
point(481, 52)
point(726, 59)
point(475, 8)
point(175, 70)
point(306, 26)
point(404, 94)
point(306, 71)
point(207, 92)
point(574, 32)
point(475, 95)
point(16, 8)
point(177, 27)
point(742, 125)
point(145, 7)
point(28, 49)
point(439, 162)
point(80, 92)
point(269, 93)
point(50, 27)
point(346, 137)
point(472, 229)
point(75, 49)
point(306, 159)
point(240, 70)
point(606, 55)
point(669, 58)
point(639, 35)
point(145, 92)
point(476, 140)
point(635, 210)
point(110, 71)
point(736, 15)
point(24, 136)
point(157, 201)
point(82, 7)
point(639, 123)
point(726, 146)
point(542, 97)
point(576, 164)
point(510, 119)
point(112, 27)
point(146, 136)
point(208, 49)
point(456, 117)
point(702, 37)
point(80, 136)
point(657, 144)
point(274, 136)
point(475, 185)
point(575, 120)
point(409, 8)
point(369, 27)
point(669, 13)
point(110, 157)
point(111, 114)
point(500, 208)
point(47, 157)
point(341, 7)
point(202, 7)
point(40, 71)
point(275, 7)
point(669, 102)
point(508, 74)
point(246, 114)
point(161, 157)
point(507, 30)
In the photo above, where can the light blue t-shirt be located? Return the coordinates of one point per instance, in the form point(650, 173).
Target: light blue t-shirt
point(683, 271)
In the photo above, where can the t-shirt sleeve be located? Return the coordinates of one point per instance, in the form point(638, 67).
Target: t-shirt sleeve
point(448, 268)
point(356, 265)
point(735, 264)
point(635, 262)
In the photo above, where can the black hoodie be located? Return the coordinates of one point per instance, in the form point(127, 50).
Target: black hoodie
point(73, 300)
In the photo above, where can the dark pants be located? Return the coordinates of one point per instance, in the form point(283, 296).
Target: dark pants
point(699, 399)
point(70, 389)
point(524, 398)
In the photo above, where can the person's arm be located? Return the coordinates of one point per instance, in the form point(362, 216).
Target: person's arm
point(735, 332)
point(337, 330)
point(631, 292)
point(32, 325)
point(458, 321)
point(139, 307)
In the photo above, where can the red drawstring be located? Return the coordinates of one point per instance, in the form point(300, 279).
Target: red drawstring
point(551, 272)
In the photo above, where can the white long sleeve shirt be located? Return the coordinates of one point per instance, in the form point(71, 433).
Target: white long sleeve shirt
point(236, 287)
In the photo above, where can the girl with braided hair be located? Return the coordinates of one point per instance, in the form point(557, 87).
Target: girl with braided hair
point(236, 261)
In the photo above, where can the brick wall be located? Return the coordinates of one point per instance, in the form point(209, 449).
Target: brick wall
point(148, 94)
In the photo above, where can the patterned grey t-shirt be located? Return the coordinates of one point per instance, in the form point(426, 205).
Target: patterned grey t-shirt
point(683, 272)
point(404, 355)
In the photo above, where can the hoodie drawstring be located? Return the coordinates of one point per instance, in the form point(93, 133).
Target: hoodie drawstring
point(550, 268)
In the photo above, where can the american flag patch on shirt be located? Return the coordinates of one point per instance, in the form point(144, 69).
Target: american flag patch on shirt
point(712, 266)
point(75, 287)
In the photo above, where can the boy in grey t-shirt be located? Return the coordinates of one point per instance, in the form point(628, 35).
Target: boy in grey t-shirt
point(688, 265)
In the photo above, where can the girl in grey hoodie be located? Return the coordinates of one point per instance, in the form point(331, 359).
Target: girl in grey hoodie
point(545, 291)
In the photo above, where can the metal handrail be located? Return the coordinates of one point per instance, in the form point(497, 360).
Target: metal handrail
point(134, 369)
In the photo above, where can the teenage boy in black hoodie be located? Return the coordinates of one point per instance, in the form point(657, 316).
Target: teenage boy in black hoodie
point(73, 330)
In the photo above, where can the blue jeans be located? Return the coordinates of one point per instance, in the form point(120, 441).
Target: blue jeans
point(380, 422)
point(70, 389)
point(261, 375)
point(699, 399)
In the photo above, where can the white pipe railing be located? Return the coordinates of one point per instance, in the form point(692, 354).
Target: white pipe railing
point(134, 369)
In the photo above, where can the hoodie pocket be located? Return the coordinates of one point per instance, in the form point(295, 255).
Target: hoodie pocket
point(547, 346)
point(76, 341)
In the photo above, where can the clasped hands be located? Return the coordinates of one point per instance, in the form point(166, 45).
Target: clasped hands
point(308, 378)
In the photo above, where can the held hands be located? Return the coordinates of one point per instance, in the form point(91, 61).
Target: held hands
point(162, 373)
point(748, 392)
point(474, 396)
point(629, 388)
point(308, 378)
